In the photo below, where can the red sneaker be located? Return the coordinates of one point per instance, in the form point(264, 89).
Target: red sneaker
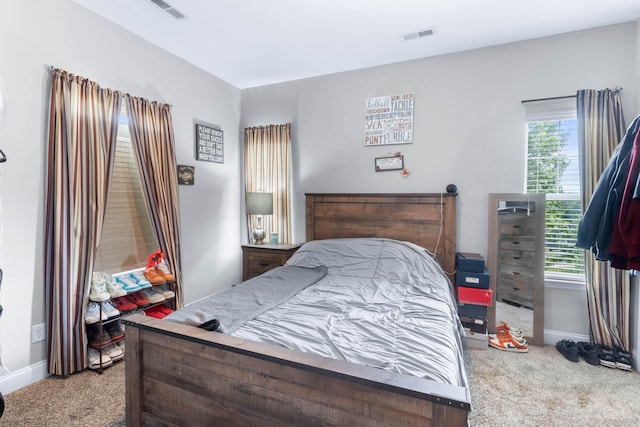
point(154, 312)
point(137, 299)
point(123, 304)
point(164, 309)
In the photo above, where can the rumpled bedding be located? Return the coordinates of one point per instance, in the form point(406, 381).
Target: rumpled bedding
point(382, 303)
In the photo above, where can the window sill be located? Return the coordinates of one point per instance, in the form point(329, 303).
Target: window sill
point(566, 282)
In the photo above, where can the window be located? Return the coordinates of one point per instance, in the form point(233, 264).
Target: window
point(553, 169)
point(127, 234)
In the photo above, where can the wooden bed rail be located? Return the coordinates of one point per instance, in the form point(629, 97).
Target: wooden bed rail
point(182, 375)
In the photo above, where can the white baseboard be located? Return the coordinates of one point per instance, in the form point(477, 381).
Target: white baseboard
point(551, 337)
point(23, 377)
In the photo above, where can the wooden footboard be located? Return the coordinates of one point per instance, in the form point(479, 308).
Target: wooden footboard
point(182, 375)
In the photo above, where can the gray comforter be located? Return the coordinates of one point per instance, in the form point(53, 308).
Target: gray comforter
point(381, 303)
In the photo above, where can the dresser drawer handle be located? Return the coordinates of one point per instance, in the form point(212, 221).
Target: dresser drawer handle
point(263, 264)
point(516, 226)
point(516, 242)
point(516, 289)
point(516, 257)
point(516, 273)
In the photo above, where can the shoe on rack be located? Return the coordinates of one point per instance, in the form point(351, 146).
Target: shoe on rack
point(113, 352)
point(128, 284)
point(121, 345)
point(508, 343)
point(137, 299)
point(94, 358)
point(589, 353)
point(164, 309)
point(138, 277)
point(152, 296)
point(114, 287)
point(92, 313)
point(165, 291)
point(623, 359)
point(98, 290)
point(109, 309)
point(606, 356)
point(154, 312)
point(154, 277)
point(164, 271)
point(123, 304)
point(97, 338)
point(569, 349)
point(115, 330)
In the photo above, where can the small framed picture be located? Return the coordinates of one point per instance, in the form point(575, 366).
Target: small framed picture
point(389, 163)
point(186, 174)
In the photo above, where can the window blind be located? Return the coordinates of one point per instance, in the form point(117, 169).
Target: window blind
point(553, 168)
point(127, 235)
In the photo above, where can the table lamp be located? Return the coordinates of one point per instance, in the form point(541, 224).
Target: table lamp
point(259, 204)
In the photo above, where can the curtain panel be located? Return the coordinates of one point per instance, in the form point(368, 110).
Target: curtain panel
point(600, 128)
point(267, 168)
point(83, 122)
point(151, 130)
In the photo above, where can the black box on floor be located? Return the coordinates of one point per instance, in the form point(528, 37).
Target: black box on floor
point(472, 279)
point(472, 310)
point(473, 263)
point(474, 324)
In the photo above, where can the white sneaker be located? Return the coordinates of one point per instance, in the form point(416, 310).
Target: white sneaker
point(166, 291)
point(152, 296)
point(94, 359)
point(114, 287)
point(92, 313)
point(109, 309)
point(120, 345)
point(98, 291)
point(114, 352)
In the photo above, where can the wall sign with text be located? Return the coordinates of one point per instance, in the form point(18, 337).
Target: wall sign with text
point(209, 144)
point(388, 120)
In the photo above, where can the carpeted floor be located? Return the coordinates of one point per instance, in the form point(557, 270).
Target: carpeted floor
point(539, 388)
point(542, 388)
point(83, 399)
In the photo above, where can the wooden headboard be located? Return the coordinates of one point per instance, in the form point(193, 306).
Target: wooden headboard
point(426, 219)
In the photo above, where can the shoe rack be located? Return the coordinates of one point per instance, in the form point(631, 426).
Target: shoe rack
point(103, 324)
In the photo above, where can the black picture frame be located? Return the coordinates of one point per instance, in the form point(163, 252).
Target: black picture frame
point(391, 163)
point(186, 175)
point(209, 143)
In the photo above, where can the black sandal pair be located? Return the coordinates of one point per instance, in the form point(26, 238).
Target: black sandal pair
point(615, 357)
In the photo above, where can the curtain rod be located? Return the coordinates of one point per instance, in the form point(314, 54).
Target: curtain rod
point(548, 99)
point(615, 89)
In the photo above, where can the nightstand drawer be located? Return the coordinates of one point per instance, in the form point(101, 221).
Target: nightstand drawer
point(259, 263)
point(258, 259)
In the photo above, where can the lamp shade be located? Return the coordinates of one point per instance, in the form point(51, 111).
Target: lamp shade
point(259, 203)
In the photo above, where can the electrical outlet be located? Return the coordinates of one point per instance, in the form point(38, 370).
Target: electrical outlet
point(37, 333)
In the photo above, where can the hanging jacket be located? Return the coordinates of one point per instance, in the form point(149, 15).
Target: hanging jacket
point(624, 248)
point(596, 226)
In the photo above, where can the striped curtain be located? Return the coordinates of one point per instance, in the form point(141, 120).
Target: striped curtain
point(600, 128)
point(152, 139)
point(267, 168)
point(83, 122)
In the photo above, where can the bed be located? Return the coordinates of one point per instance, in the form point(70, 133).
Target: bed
point(180, 374)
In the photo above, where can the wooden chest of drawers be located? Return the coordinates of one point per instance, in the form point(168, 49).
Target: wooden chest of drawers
point(257, 259)
point(516, 257)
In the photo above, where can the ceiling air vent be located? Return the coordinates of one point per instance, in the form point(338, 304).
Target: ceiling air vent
point(417, 34)
point(168, 8)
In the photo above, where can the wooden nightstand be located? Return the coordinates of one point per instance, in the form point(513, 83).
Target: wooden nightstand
point(257, 259)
